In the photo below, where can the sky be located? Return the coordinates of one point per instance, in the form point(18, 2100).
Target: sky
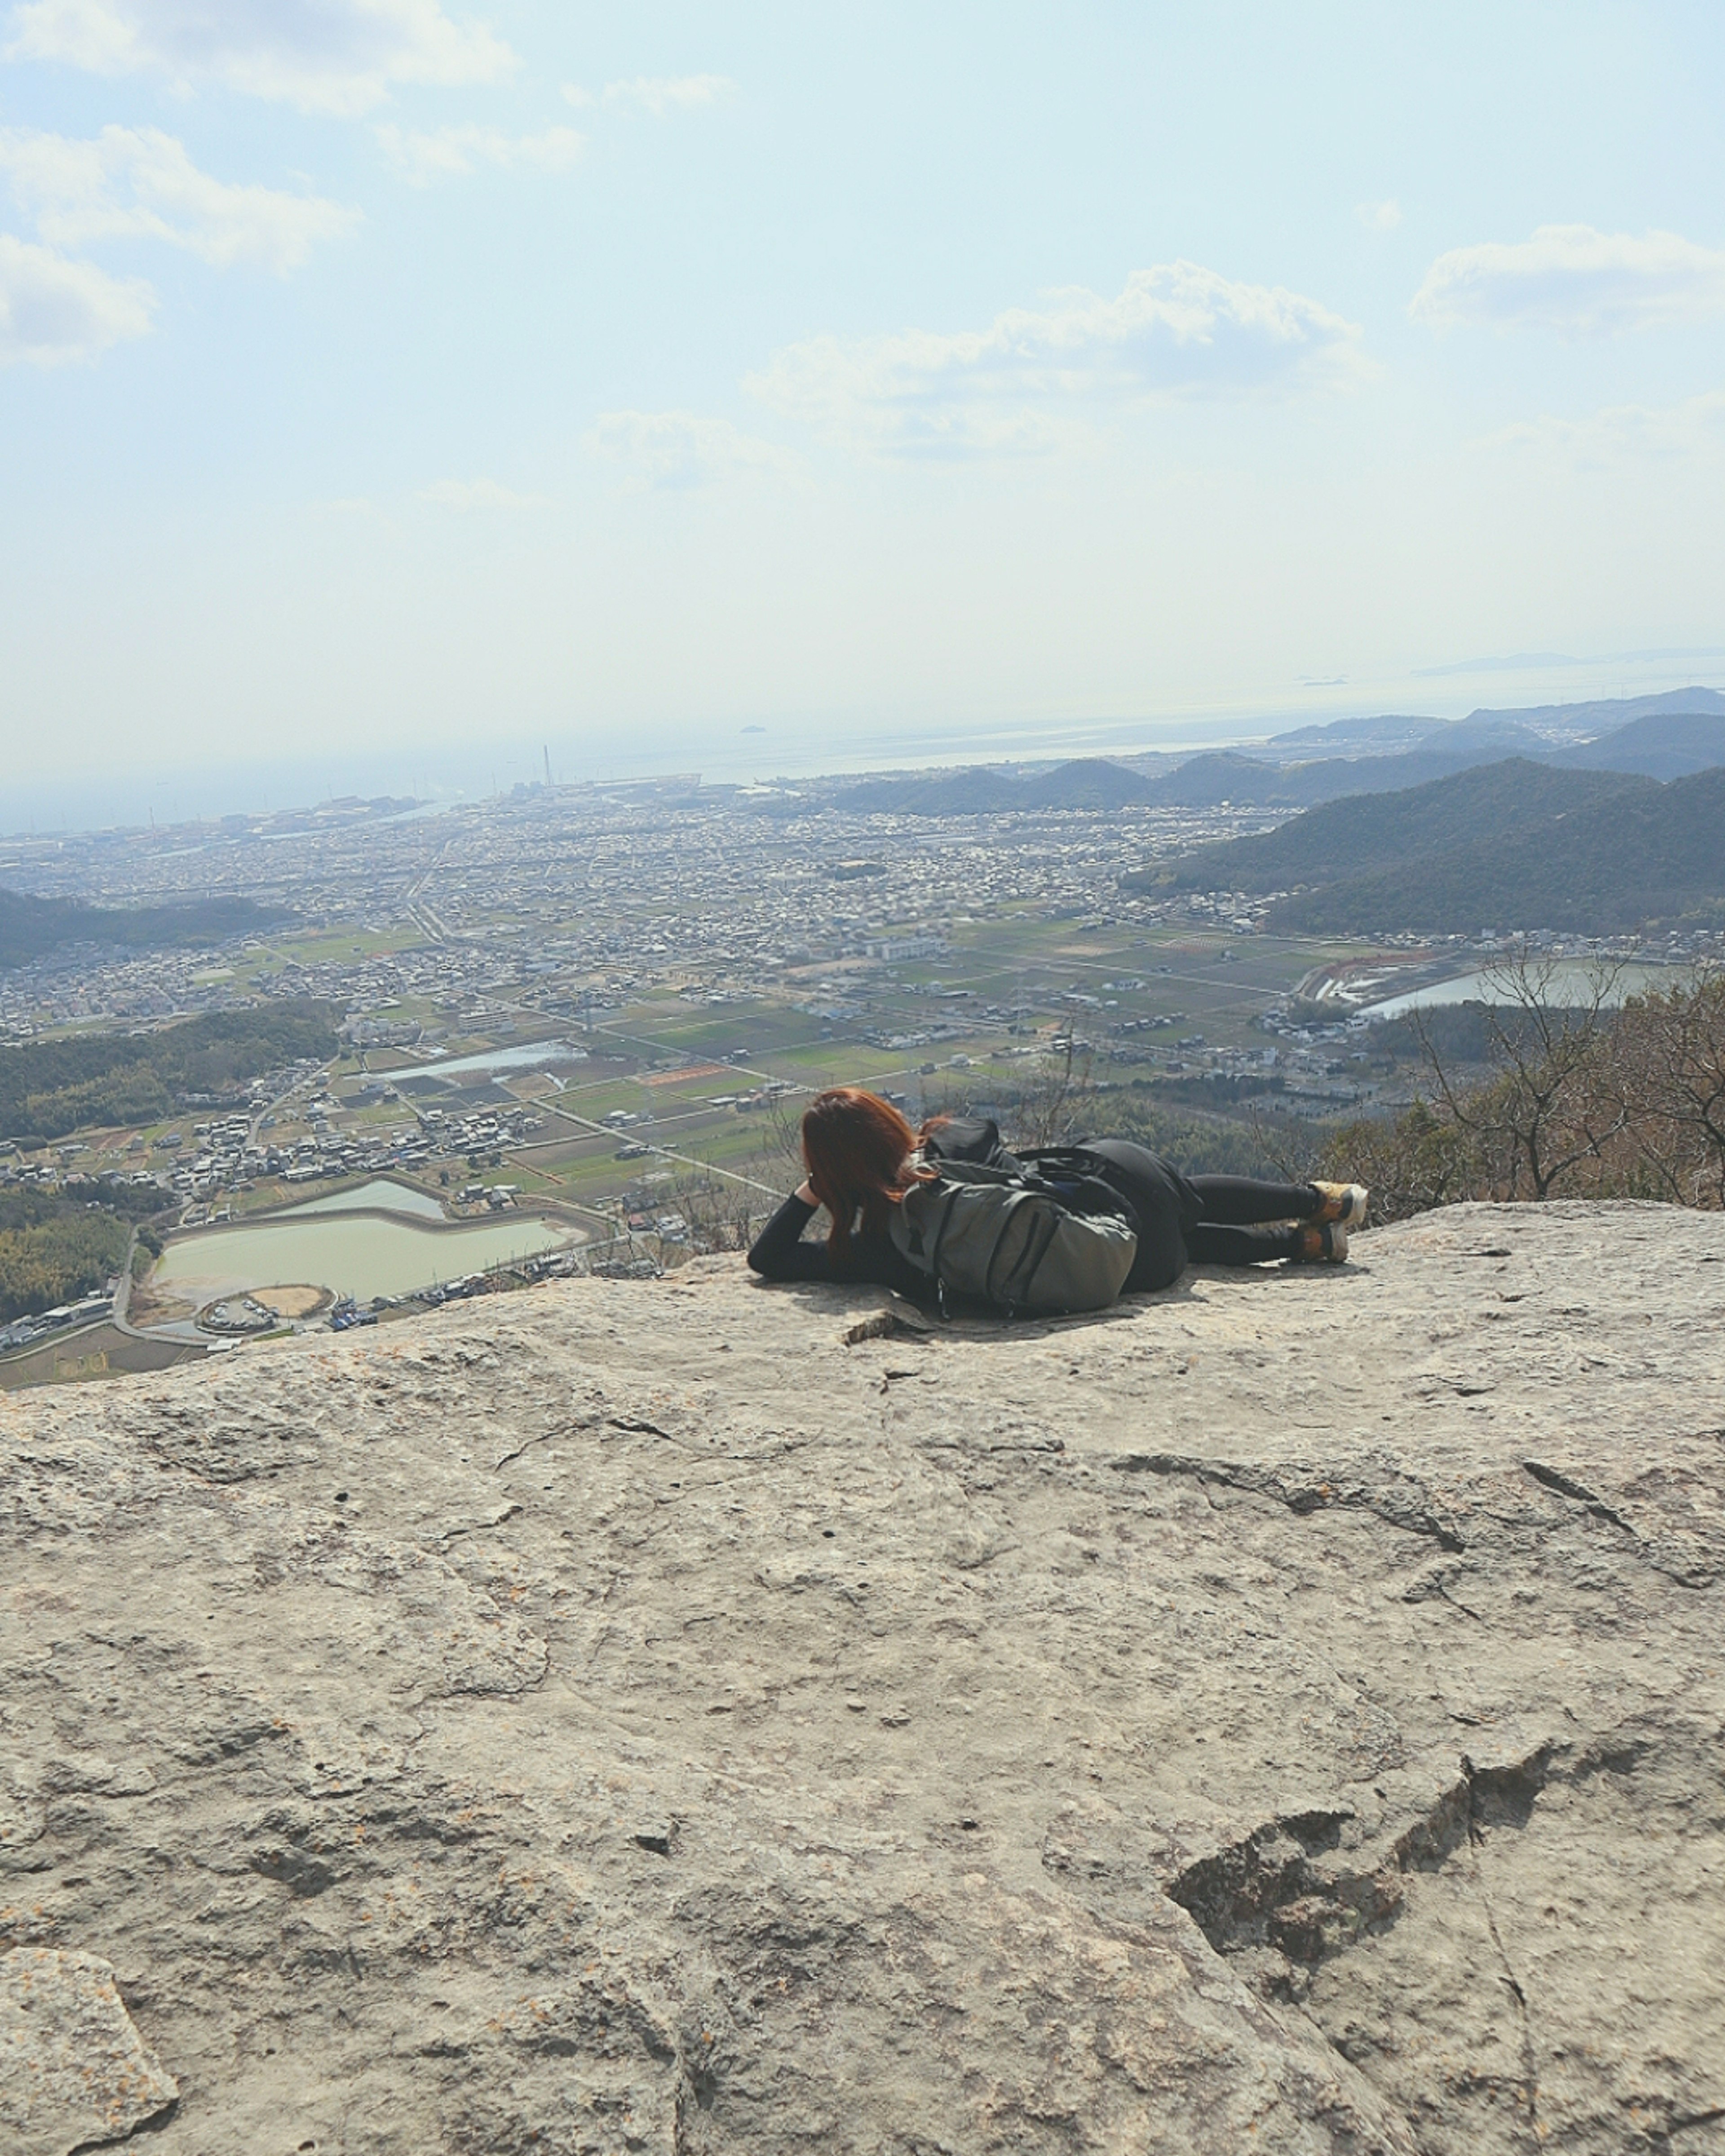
point(393, 391)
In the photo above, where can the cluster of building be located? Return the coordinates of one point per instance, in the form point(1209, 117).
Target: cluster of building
point(565, 902)
point(549, 1264)
point(232, 1153)
point(473, 1133)
point(487, 921)
point(42, 1325)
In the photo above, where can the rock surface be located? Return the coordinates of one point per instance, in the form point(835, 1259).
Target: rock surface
point(1285, 1714)
point(74, 2071)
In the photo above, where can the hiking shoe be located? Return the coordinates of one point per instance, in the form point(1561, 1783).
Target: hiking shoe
point(1343, 1203)
point(1322, 1242)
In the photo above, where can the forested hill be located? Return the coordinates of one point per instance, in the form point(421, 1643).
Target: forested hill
point(58, 1245)
point(30, 927)
point(1646, 853)
point(50, 1087)
point(1514, 845)
point(1348, 838)
point(978, 791)
point(1662, 745)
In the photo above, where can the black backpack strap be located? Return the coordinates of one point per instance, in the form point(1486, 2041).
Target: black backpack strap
point(1083, 1181)
point(974, 1140)
point(1064, 1159)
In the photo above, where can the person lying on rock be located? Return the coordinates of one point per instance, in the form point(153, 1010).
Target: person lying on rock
point(1065, 1228)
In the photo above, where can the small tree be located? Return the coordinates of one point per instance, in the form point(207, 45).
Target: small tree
point(1053, 1102)
point(780, 1153)
point(1671, 1049)
point(1554, 1105)
point(1422, 1158)
point(720, 1212)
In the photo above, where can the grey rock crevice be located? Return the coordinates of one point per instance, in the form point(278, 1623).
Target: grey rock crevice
point(1304, 1489)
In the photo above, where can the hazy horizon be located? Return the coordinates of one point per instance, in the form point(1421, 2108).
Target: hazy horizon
point(400, 386)
point(753, 754)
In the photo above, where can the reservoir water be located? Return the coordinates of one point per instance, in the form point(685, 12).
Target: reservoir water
point(380, 1194)
point(1566, 981)
point(359, 1254)
point(526, 1056)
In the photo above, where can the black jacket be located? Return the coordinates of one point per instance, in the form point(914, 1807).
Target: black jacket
point(780, 1254)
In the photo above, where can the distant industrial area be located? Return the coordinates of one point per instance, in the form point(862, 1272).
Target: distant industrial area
point(310, 1068)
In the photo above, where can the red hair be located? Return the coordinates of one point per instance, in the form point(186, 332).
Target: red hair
point(858, 1149)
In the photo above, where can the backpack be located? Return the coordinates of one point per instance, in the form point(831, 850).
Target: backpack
point(1084, 1181)
point(1007, 1238)
point(1070, 1170)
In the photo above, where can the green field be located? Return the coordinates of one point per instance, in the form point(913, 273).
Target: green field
point(1007, 985)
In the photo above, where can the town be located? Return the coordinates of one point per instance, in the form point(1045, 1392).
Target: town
point(585, 1015)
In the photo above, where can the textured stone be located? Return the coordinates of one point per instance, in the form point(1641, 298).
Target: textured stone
point(689, 1717)
point(74, 2071)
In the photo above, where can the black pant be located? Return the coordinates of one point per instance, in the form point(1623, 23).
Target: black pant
point(1199, 1220)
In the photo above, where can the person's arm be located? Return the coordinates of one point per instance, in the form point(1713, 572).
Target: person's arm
point(779, 1252)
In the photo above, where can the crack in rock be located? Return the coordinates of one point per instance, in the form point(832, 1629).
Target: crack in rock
point(74, 2073)
point(1554, 1479)
point(1274, 1887)
point(1399, 1501)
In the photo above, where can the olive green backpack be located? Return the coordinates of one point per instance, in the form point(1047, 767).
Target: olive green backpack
point(1006, 1238)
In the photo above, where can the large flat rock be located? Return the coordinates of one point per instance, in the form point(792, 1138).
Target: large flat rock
point(1285, 1714)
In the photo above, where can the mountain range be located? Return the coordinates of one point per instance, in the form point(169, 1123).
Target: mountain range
point(1662, 743)
point(1554, 724)
point(1664, 737)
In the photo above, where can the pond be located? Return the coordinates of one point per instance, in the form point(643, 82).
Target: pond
point(380, 1194)
point(359, 1254)
point(526, 1056)
point(1566, 981)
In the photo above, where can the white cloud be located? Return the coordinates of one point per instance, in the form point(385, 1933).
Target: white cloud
point(467, 495)
point(139, 183)
point(53, 310)
point(1176, 330)
point(341, 56)
point(449, 153)
point(1624, 432)
point(662, 94)
point(1380, 217)
point(684, 448)
point(1573, 279)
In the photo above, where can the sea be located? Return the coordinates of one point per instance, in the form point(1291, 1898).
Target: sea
point(100, 792)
